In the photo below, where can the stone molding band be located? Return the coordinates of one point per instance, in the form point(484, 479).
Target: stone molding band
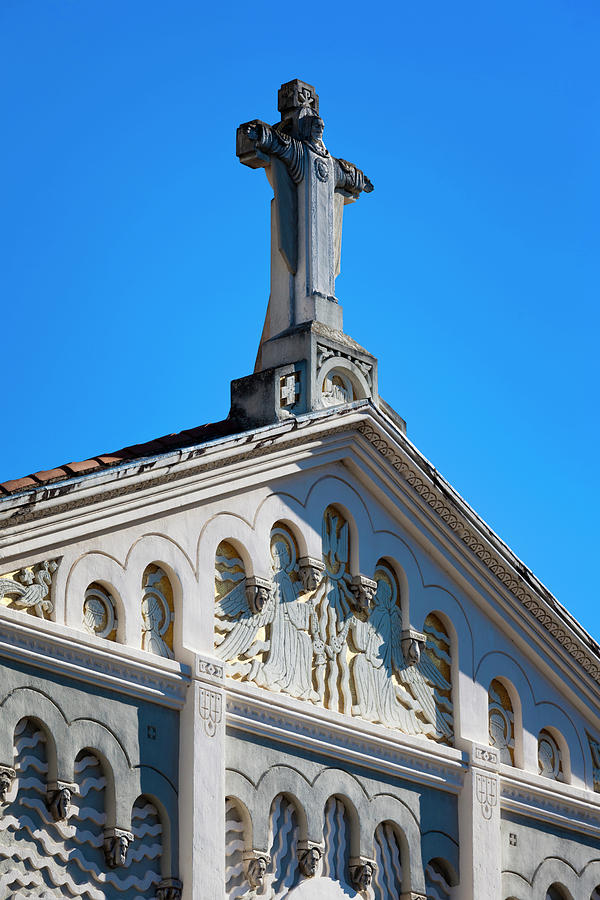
point(513, 582)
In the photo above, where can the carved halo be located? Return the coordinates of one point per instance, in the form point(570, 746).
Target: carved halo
point(98, 612)
point(282, 535)
point(348, 377)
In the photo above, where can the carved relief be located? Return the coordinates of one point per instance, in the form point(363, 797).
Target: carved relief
point(320, 634)
point(324, 353)
point(269, 645)
point(116, 845)
point(99, 615)
point(486, 791)
point(7, 776)
point(169, 889)
point(595, 752)
point(549, 756)
point(361, 873)
point(211, 709)
point(29, 588)
point(57, 847)
point(396, 679)
point(157, 612)
point(337, 388)
point(501, 722)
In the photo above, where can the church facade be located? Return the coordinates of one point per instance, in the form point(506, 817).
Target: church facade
point(279, 656)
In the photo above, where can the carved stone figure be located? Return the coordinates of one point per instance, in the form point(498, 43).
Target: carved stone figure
point(116, 845)
point(169, 889)
point(99, 612)
point(59, 803)
point(308, 860)
point(501, 722)
point(256, 870)
point(311, 188)
point(362, 875)
point(395, 681)
point(30, 588)
point(363, 590)
point(156, 616)
point(595, 752)
point(7, 776)
point(282, 659)
point(258, 592)
point(310, 571)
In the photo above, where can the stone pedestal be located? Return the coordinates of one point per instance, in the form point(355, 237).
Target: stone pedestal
point(202, 783)
point(479, 828)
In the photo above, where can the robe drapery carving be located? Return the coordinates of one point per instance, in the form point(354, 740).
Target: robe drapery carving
point(334, 638)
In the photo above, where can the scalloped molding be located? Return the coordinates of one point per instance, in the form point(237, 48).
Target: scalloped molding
point(473, 541)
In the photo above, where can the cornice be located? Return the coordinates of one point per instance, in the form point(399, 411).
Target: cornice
point(486, 546)
point(57, 649)
point(317, 730)
point(550, 801)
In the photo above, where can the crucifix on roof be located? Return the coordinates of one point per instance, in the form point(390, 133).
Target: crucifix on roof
point(311, 188)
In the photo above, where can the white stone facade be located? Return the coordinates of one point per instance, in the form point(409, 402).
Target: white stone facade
point(187, 738)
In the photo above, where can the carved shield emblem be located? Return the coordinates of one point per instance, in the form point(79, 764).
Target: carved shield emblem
point(487, 793)
point(210, 710)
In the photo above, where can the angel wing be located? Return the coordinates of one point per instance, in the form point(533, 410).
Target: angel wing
point(27, 596)
point(238, 623)
point(421, 680)
point(386, 622)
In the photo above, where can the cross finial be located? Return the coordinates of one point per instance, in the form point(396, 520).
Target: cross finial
point(294, 95)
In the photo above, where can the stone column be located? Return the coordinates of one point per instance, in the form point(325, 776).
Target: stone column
point(479, 827)
point(202, 783)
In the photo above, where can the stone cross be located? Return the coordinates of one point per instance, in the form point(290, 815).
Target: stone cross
point(310, 189)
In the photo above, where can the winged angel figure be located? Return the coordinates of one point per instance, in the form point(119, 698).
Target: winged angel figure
point(399, 688)
point(272, 646)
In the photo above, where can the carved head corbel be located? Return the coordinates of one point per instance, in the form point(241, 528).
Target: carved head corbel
point(309, 857)
point(258, 591)
point(413, 644)
point(257, 864)
point(169, 889)
point(363, 590)
point(58, 799)
point(311, 571)
point(116, 845)
point(7, 776)
point(362, 870)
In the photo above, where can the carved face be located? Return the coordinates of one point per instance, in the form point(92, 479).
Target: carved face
point(414, 653)
point(363, 875)
point(121, 850)
point(257, 869)
point(63, 803)
point(310, 861)
point(317, 128)
point(5, 783)
point(281, 556)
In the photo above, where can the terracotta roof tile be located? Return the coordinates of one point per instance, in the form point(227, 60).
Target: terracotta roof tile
point(18, 484)
point(164, 444)
point(85, 465)
point(50, 475)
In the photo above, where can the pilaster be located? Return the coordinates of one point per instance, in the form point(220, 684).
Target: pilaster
point(479, 827)
point(202, 783)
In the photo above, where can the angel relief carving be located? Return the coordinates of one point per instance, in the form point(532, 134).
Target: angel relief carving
point(272, 645)
point(396, 678)
point(311, 638)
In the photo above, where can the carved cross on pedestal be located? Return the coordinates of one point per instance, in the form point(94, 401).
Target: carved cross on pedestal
point(311, 188)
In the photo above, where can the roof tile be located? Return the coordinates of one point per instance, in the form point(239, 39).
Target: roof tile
point(50, 475)
point(84, 465)
point(18, 484)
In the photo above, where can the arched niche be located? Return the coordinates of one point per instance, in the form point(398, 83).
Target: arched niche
point(440, 878)
point(146, 862)
point(441, 653)
point(284, 835)
point(99, 612)
point(237, 841)
point(338, 833)
point(339, 540)
point(341, 381)
point(391, 859)
point(501, 721)
point(557, 891)
point(158, 612)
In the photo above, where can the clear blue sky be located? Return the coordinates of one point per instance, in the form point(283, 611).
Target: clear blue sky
point(134, 270)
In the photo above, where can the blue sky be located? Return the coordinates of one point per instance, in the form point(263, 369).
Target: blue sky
point(134, 270)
